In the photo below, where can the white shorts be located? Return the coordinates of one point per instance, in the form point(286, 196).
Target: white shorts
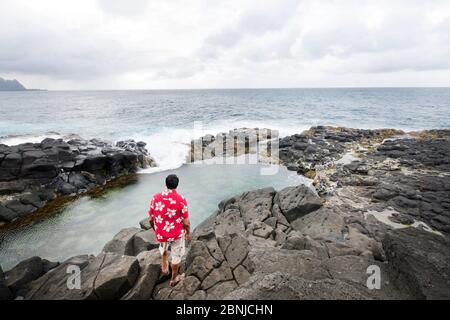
point(177, 249)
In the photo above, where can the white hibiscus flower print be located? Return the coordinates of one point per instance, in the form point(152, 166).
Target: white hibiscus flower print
point(166, 193)
point(170, 200)
point(159, 219)
point(179, 220)
point(168, 226)
point(185, 209)
point(171, 213)
point(159, 237)
point(159, 206)
point(170, 239)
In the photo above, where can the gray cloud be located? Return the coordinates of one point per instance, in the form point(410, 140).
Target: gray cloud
point(255, 21)
point(404, 38)
point(202, 43)
point(225, 38)
point(59, 58)
point(271, 17)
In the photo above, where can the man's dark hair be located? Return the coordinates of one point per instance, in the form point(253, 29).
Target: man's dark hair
point(172, 181)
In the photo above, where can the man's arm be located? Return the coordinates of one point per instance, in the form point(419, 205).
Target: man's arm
point(152, 223)
point(150, 215)
point(186, 222)
point(187, 228)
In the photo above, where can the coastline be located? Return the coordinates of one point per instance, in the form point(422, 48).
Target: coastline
point(327, 241)
point(35, 174)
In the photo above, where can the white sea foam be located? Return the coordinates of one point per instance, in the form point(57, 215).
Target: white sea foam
point(170, 146)
point(27, 138)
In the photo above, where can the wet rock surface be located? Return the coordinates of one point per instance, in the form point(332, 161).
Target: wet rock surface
point(414, 183)
point(31, 174)
point(319, 146)
point(387, 210)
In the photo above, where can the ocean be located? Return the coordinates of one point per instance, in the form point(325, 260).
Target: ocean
point(165, 120)
point(161, 117)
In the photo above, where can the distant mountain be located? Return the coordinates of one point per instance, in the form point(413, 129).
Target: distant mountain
point(11, 85)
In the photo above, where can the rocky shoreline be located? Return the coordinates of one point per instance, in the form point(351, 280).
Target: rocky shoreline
point(34, 174)
point(381, 201)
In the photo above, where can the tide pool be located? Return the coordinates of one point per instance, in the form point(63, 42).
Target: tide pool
point(88, 223)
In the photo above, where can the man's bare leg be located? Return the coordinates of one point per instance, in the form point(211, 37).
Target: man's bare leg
point(165, 264)
point(175, 277)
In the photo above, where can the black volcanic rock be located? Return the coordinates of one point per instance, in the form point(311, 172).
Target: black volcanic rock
point(107, 276)
point(26, 271)
point(56, 167)
point(293, 244)
point(296, 202)
point(420, 262)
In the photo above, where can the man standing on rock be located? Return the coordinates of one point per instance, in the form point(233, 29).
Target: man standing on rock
point(170, 219)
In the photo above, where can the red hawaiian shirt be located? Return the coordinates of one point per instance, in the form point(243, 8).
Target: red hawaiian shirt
point(168, 209)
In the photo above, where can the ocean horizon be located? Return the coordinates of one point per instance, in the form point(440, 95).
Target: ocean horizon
point(161, 117)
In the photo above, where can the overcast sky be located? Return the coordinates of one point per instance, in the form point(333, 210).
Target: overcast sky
point(154, 44)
